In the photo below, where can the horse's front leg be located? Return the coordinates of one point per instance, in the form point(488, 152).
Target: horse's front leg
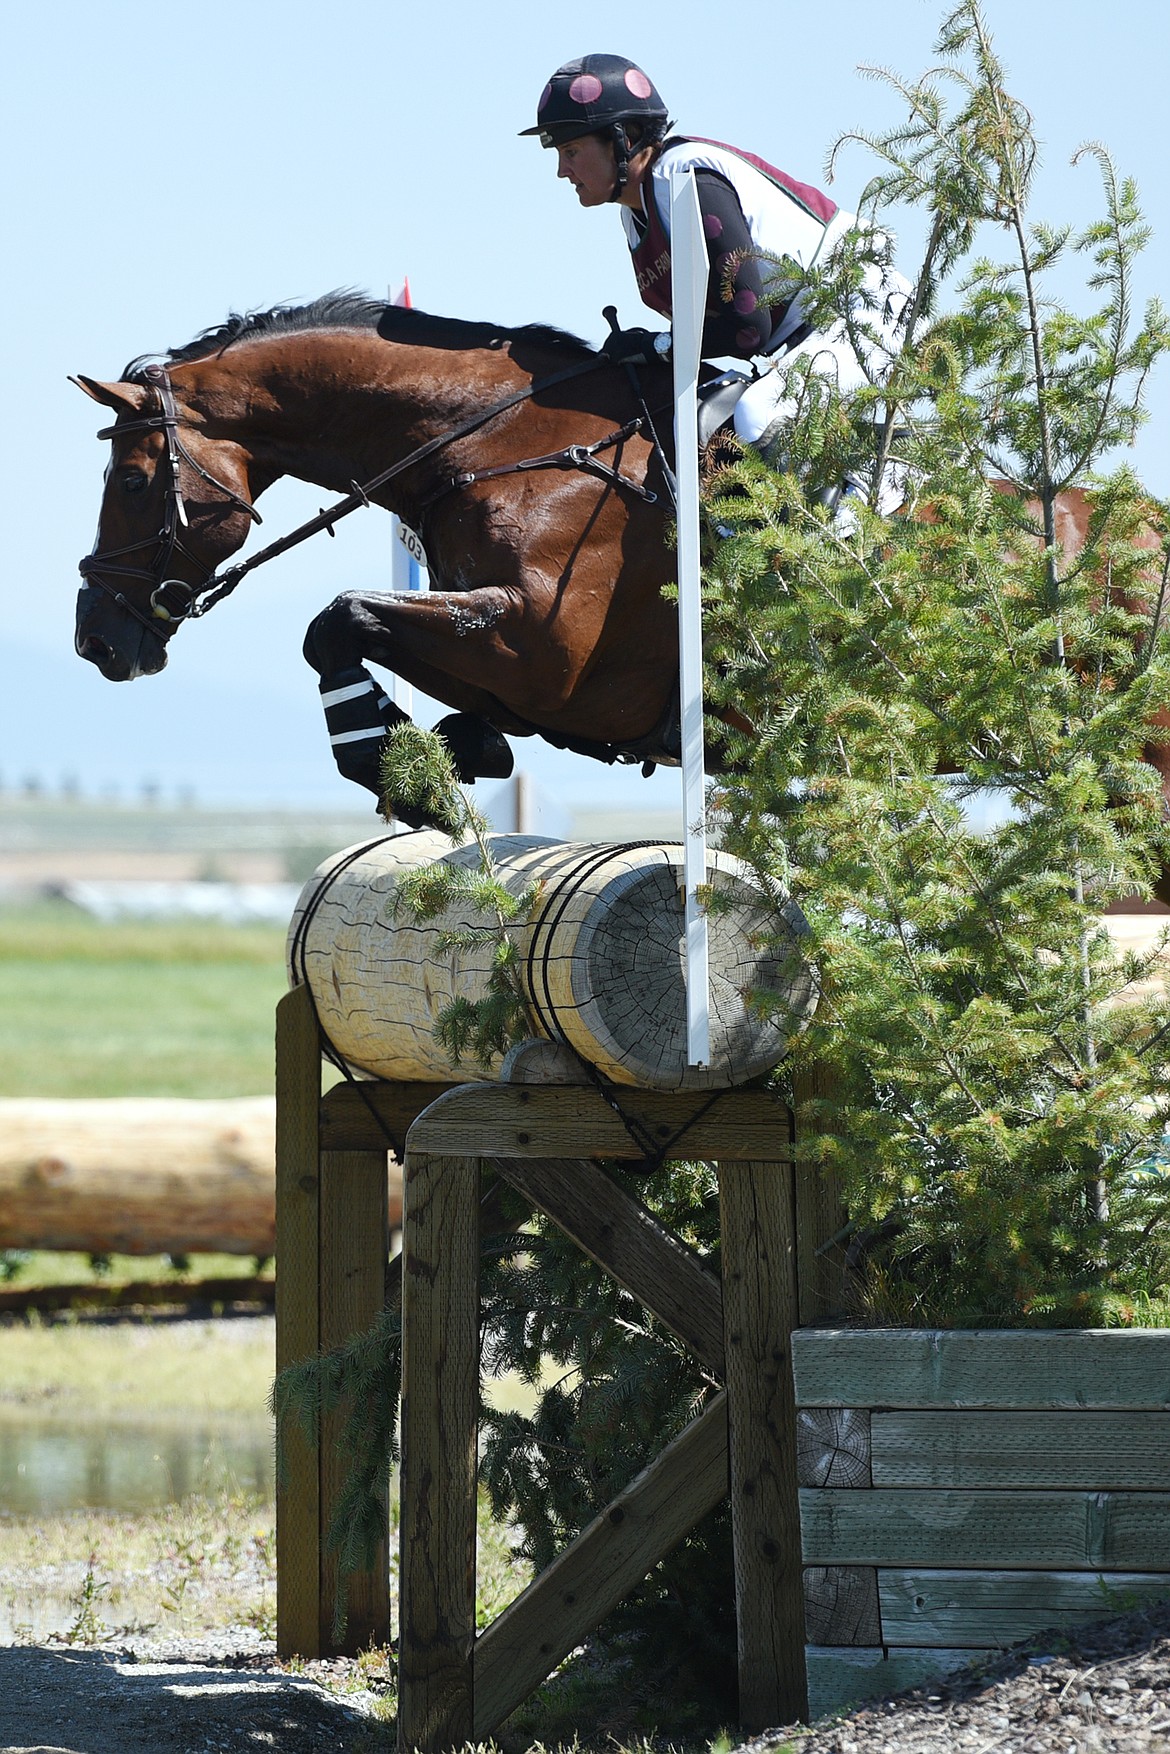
point(358, 711)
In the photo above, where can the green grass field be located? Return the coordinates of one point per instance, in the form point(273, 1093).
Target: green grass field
point(135, 1009)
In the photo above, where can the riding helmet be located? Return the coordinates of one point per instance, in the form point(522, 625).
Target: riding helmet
point(593, 95)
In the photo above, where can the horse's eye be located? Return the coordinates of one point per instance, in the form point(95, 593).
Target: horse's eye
point(133, 481)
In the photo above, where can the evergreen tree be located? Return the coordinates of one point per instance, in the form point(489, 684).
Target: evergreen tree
point(998, 1095)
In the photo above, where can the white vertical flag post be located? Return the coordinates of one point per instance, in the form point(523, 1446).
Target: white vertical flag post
point(408, 561)
point(689, 272)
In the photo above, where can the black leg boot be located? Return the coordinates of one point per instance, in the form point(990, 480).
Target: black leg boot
point(358, 714)
point(477, 748)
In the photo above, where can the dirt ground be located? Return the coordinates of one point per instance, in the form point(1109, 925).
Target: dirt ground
point(181, 1697)
point(1104, 1690)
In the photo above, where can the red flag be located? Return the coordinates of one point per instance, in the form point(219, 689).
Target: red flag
point(403, 297)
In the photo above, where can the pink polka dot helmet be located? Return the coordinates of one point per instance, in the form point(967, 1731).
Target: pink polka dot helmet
point(597, 94)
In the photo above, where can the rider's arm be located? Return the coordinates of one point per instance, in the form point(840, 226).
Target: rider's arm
point(741, 326)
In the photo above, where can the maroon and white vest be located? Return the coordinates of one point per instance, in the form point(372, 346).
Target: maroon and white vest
point(651, 256)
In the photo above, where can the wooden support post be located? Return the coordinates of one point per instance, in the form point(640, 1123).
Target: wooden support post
point(298, 1514)
point(758, 1217)
point(331, 1263)
point(440, 1408)
point(353, 1244)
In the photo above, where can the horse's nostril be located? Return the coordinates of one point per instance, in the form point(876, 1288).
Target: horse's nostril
point(95, 649)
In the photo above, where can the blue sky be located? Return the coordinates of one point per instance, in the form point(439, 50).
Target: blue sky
point(168, 164)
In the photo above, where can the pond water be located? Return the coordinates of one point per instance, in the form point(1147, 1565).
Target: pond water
point(50, 1464)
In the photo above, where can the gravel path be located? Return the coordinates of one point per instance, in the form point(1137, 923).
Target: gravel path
point(182, 1696)
point(1103, 1690)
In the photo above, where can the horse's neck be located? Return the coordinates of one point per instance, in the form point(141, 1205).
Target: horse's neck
point(339, 407)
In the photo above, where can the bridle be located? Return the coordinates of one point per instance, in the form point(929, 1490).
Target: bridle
point(166, 603)
point(98, 568)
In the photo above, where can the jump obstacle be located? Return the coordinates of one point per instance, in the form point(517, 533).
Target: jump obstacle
point(901, 1499)
point(547, 1140)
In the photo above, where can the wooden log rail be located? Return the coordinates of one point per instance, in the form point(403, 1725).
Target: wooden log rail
point(143, 1175)
point(777, 1271)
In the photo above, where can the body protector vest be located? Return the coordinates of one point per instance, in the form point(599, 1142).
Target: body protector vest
point(795, 226)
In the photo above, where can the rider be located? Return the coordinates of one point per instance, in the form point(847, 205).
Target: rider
point(609, 127)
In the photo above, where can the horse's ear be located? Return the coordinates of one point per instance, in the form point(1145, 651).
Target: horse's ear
point(122, 398)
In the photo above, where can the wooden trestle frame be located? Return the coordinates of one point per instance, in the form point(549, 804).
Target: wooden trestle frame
point(456, 1687)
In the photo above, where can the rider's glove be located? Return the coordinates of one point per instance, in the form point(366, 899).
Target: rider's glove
point(636, 346)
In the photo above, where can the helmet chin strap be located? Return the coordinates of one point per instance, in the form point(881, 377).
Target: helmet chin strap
point(621, 155)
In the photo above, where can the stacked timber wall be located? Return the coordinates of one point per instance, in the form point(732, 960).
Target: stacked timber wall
point(962, 1490)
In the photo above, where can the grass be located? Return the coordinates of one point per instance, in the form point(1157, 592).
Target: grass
point(135, 1009)
point(188, 1568)
point(185, 1570)
point(211, 1557)
point(22, 1269)
point(121, 1370)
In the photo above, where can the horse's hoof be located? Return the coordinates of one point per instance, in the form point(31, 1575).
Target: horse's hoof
point(407, 817)
point(477, 748)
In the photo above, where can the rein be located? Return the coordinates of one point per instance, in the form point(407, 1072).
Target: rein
point(216, 586)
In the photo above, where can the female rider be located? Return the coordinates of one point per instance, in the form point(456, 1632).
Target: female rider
point(609, 126)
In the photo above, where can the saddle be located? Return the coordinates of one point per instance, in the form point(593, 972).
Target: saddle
point(717, 400)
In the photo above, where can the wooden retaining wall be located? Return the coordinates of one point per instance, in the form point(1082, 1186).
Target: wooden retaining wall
point(962, 1490)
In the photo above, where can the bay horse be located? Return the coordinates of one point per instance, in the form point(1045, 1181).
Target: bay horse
point(523, 459)
point(526, 461)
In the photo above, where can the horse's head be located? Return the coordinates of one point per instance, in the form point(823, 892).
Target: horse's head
point(176, 503)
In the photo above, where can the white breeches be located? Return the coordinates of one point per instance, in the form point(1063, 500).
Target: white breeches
point(764, 409)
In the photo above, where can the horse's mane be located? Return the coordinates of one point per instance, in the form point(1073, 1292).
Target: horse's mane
point(353, 310)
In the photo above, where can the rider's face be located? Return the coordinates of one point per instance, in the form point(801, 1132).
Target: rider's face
point(589, 165)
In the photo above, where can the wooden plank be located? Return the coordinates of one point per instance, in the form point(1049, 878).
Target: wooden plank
point(621, 1235)
point(298, 1538)
point(440, 1407)
point(758, 1222)
point(581, 1586)
point(354, 1245)
point(349, 1123)
point(517, 1120)
point(990, 1609)
point(833, 1446)
point(839, 1679)
point(1093, 1450)
point(1012, 1531)
point(841, 1605)
point(920, 1367)
point(492, 1220)
point(820, 1208)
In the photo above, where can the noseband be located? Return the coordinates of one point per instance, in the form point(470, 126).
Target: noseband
point(171, 600)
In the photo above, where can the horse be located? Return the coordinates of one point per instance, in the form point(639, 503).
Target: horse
point(527, 463)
